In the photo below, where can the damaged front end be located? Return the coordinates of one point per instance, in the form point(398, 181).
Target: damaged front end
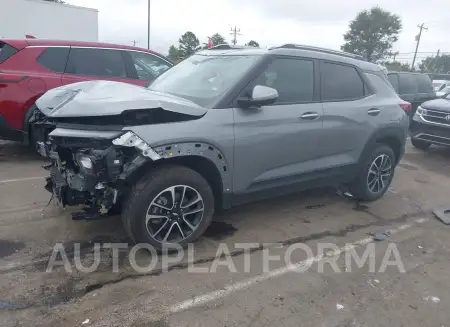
point(93, 168)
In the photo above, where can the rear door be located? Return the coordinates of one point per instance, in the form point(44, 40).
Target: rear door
point(143, 67)
point(349, 114)
point(87, 64)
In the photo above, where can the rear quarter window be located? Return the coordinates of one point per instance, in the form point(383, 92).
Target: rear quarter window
point(393, 79)
point(381, 85)
point(425, 84)
point(6, 51)
point(54, 59)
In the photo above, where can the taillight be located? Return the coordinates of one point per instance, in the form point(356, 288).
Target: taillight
point(11, 77)
point(406, 106)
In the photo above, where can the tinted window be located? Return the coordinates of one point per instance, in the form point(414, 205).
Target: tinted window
point(382, 86)
point(393, 78)
point(425, 85)
point(340, 82)
point(96, 62)
point(6, 51)
point(292, 78)
point(54, 59)
point(148, 66)
point(408, 84)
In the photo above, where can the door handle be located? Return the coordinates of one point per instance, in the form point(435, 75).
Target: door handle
point(373, 112)
point(310, 115)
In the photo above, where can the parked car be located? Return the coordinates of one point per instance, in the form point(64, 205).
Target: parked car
point(220, 128)
point(29, 68)
point(431, 124)
point(441, 87)
point(414, 88)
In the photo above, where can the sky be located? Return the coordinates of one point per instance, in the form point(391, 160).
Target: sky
point(269, 22)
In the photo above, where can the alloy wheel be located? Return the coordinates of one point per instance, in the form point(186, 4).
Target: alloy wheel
point(174, 214)
point(380, 173)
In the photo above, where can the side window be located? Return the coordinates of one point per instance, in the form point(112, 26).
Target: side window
point(425, 85)
point(292, 78)
point(96, 62)
point(340, 82)
point(54, 59)
point(148, 66)
point(408, 84)
point(393, 78)
point(6, 51)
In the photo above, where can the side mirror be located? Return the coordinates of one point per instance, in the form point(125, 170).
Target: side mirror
point(261, 96)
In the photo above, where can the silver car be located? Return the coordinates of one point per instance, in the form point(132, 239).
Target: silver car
point(223, 127)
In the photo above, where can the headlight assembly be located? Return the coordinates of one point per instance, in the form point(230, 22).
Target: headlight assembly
point(130, 139)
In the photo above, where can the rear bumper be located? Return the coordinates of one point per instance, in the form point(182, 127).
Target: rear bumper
point(435, 134)
point(8, 133)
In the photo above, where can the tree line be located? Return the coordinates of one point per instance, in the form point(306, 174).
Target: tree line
point(188, 44)
point(372, 34)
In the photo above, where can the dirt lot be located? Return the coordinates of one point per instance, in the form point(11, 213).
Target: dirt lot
point(249, 296)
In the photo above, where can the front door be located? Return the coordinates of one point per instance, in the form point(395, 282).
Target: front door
point(275, 145)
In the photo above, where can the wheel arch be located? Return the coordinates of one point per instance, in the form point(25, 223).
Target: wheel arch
point(395, 138)
point(204, 158)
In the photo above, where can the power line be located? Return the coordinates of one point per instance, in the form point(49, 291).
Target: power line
point(235, 32)
point(422, 27)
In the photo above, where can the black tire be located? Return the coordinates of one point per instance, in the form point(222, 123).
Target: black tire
point(423, 145)
point(360, 186)
point(149, 187)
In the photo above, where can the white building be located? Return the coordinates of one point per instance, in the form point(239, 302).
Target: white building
point(47, 20)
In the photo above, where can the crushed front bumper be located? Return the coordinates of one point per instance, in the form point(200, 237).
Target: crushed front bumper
point(92, 168)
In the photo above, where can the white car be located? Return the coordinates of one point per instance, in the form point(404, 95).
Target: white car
point(441, 87)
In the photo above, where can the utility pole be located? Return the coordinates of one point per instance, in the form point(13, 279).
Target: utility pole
point(148, 23)
point(422, 27)
point(235, 32)
point(134, 42)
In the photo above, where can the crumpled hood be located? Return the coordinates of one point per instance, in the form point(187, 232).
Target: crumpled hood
point(437, 104)
point(102, 98)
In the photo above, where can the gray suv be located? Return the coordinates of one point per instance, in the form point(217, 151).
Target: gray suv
point(223, 127)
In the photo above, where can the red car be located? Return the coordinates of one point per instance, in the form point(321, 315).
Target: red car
point(29, 68)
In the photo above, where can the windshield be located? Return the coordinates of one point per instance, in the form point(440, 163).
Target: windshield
point(203, 79)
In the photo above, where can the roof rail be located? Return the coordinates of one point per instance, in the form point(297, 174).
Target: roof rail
point(226, 46)
point(324, 50)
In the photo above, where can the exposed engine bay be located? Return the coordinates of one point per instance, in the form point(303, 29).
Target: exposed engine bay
point(82, 129)
point(92, 168)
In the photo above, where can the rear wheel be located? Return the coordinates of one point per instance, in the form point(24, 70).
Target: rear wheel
point(375, 175)
point(170, 205)
point(423, 145)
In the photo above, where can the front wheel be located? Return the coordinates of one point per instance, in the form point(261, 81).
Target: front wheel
point(375, 175)
point(169, 205)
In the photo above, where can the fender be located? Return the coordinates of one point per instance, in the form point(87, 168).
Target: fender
point(396, 133)
point(205, 150)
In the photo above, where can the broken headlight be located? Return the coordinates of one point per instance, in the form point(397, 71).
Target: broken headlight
point(85, 162)
point(129, 139)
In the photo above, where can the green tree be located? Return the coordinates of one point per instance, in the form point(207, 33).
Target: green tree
point(396, 66)
point(188, 44)
point(218, 39)
point(437, 65)
point(253, 43)
point(174, 53)
point(372, 34)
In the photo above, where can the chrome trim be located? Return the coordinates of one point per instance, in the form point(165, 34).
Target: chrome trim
point(421, 137)
point(101, 48)
point(431, 122)
point(309, 116)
